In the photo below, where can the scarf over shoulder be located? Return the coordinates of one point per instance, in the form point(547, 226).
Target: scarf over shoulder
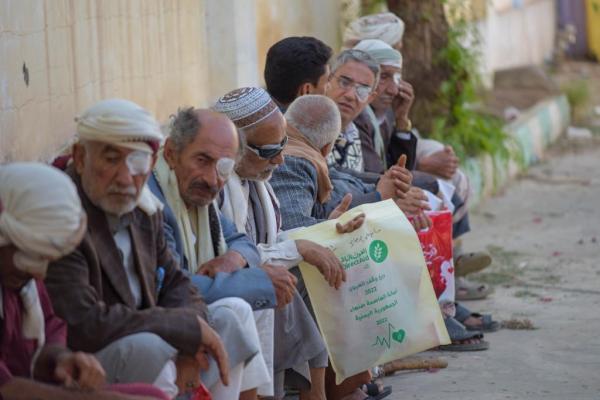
point(299, 146)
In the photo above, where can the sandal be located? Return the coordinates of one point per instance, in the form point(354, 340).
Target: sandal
point(468, 263)
point(375, 390)
point(466, 290)
point(460, 337)
point(487, 323)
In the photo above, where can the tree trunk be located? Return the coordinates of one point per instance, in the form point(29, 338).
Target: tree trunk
point(426, 33)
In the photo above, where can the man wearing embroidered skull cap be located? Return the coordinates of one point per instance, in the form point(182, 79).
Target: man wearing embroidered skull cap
point(248, 200)
point(121, 291)
point(40, 220)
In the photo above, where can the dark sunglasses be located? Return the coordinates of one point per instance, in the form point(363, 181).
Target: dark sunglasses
point(268, 151)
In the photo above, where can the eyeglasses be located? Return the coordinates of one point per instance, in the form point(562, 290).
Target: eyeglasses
point(268, 151)
point(362, 91)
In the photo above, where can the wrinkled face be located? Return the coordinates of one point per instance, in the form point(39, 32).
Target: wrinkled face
point(387, 89)
point(10, 276)
point(196, 164)
point(345, 86)
point(268, 133)
point(107, 176)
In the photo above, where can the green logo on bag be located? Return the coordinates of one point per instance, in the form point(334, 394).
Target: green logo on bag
point(398, 336)
point(378, 251)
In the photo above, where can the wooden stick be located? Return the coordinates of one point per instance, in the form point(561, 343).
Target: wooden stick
point(412, 363)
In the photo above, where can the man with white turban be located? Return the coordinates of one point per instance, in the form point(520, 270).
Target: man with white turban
point(392, 107)
point(384, 26)
point(40, 220)
point(121, 291)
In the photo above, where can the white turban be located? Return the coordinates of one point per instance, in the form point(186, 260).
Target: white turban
point(41, 213)
point(385, 26)
point(120, 122)
point(381, 52)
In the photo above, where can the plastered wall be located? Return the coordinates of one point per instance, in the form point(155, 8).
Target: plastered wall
point(57, 57)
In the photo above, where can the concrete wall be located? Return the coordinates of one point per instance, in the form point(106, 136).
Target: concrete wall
point(515, 36)
point(57, 57)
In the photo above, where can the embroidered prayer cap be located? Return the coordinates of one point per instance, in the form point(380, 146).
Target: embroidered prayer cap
point(384, 26)
point(122, 123)
point(246, 106)
point(40, 213)
point(382, 52)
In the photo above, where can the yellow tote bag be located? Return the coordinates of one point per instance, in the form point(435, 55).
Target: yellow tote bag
point(387, 308)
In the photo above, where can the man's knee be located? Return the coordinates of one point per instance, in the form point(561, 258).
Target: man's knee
point(232, 305)
point(136, 358)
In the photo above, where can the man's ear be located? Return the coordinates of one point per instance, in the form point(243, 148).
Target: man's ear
point(325, 150)
point(169, 153)
point(304, 89)
point(78, 153)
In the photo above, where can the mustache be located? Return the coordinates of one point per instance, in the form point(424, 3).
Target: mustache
point(127, 190)
point(205, 187)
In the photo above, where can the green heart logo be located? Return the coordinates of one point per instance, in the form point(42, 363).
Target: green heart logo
point(399, 335)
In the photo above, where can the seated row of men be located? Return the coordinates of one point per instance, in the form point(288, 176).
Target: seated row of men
point(169, 260)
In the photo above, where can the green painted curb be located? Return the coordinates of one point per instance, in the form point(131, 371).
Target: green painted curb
point(534, 131)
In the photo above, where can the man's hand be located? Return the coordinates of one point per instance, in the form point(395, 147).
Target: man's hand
point(324, 260)
point(284, 283)
point(342, 207)
point(231, 261)
point(188, 373)
point(351, 225)
point(212, 345)
point(395, 182)
point(443, 163)
point(402, 104)
point(79, 370)
point(415, 201)
point(421, 221)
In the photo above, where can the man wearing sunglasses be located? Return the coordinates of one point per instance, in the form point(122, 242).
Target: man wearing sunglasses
point(249, 201)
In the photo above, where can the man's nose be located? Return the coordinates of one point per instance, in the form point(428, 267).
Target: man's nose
point(211, 177)
point(350, 94)
point(278, 159)
point(124, 177)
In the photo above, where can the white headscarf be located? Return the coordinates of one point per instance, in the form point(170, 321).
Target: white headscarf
point(381, 52)
point(385, 26)
point(124, 124)
point(40, 214)
point(120, 122)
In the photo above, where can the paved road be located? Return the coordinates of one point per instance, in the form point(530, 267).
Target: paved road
point(544, 232)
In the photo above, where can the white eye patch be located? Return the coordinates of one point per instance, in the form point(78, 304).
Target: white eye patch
point(225, 167)
point(138, 162)
point(397, 78)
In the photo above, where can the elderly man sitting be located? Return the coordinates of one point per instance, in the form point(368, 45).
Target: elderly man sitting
point(40, 220)
point(250, 202)
point(198, 158)
point(121, 291)
point(430, 156)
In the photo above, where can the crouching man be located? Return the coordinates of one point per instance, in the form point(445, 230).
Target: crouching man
point(40, 220)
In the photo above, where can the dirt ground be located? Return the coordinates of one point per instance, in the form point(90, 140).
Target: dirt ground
point(544, 234)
